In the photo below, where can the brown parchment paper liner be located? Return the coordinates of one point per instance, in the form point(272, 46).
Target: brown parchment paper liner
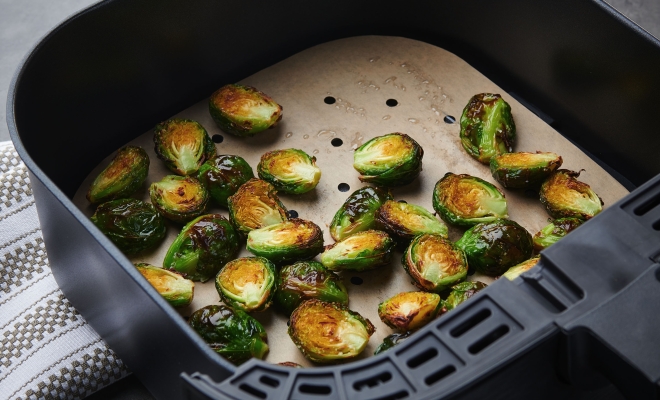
point(362, 73)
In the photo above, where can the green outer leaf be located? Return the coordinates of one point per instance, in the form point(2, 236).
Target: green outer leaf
point(122, 177)
point(555, 230)
point(303, 240)
point(358, 212)
point(513, 171)
point(223, 175)
point(305, 177)
point(515, 271)
point(391, 341)
point(564, 196)
point(177, 290)
point(255, 205)
point(359, 252)
point(412, 259)
point(267, 289)
point(192, 205)
point(239, 110)
point(404, 221)
point(173, 138)
point(461, 292)
point(390, 173)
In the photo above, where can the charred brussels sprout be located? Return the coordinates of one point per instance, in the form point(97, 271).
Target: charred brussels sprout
point(461, 292)
point(179, 198)
point(255, 205)
point(554, 231)
point(122, 177)
point(390, 160)
point(358, 212)
point(434, 263)
point(243, 110)
point(295, 239)
point(523, 170)
point(404, 221)
point(359, 252)
point(487, 127)
point(564, 196)
point(183, 144)
point(306, 280)
point(466, 200)
point(247, 283)
point(492, 247)
point(391, 341)
point(223, 175)
point(233, 334)
point(515, 271)
point(202, 247)
point(291, 170)
point(177, 290)
point(409, 311)
point(132, 225)
point(329, 332)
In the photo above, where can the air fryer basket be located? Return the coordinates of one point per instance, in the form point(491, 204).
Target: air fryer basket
point(104, 76)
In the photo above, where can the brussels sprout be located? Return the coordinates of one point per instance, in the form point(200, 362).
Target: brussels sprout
point(177, 290)
point(554, 231)
point(434, 263)
point(404, 221)
point(255, 205)
point(290, 364)
point(487, 127)
point(183, 144)
point(492, 247)
point(359, 252)
point(243, 110)
point(391, 341)
point(132, 225)
point(358, 212)
point(515, 271)
point(295, 239)
point(466, 200)
point(247, 283)
point(564, 196)
point(202, 247)
point(233, 334)
point(179, 198)
point(523, 170)
point(122, 177)
point(306, 280)
point(461, 292)
point(291, 170)
point(409, 311)
point(390, 160)
point(223, 175)
point(329, 332)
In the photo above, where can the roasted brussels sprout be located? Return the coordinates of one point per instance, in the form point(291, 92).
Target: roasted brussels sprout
point(243, 110)
point(358, 212)
point(308, 280)
point(233, 334)
point(391, 341)
point(122, 177)
point(390, 160)
point(487, 127)
point(202, 247)
point(295, 239)
point(255, 205)
point(329, 332)
point(223, 175)
point(132, 225)
point(247, 283)
point(291, 170)
point(515, 271)
point(179, 198)
point(461, 292)
point(358, 252)
point(183, 144)
point(523, 170)
point(564, 196)
point(466, 200)
point(555, 230)
point(177, 290)
point(434, 263)
point(409, 311)
point(492, 247)
point(404, 221)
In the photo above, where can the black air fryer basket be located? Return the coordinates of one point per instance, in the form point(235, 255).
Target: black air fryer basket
point(582, 319)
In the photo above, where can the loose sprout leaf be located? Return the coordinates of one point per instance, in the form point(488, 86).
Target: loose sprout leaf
point(554, 231)
point(515, 271)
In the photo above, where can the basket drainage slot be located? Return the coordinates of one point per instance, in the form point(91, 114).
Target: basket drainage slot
point(438, 375)
point(648, 205)
point(471, 322)
point(422, 358)
point(488, 339)
point(253, 391)
point(267, 380)
point(398, 395)
point(373, 381)
point(315, 389)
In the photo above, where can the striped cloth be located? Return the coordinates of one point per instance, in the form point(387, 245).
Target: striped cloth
point(47, 350)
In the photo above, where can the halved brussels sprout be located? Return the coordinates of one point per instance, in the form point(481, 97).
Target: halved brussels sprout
point(523, 170)
point(291, 170)
point(358, 213)
point(202, 247)
point(493, 247)
point(404, 221)
point(306, 280)
point(295, 239)
point(461, 292)
point(564, 196)
point(243, 110)
point(555, 230)
point(466, 200)
point(409, 311)
point(394, 159)
point(329, 332)
point(391, 341)
point(515, 271)
point(183, 144)
point(255, 205)
point(179, 198)
point(247, 283)
point(177, 290)
point(223, 175)
point(233, 334)
point(358, 252)
point(132, 225)
point(434, 263)
point(122, 177)
point(487, 127)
